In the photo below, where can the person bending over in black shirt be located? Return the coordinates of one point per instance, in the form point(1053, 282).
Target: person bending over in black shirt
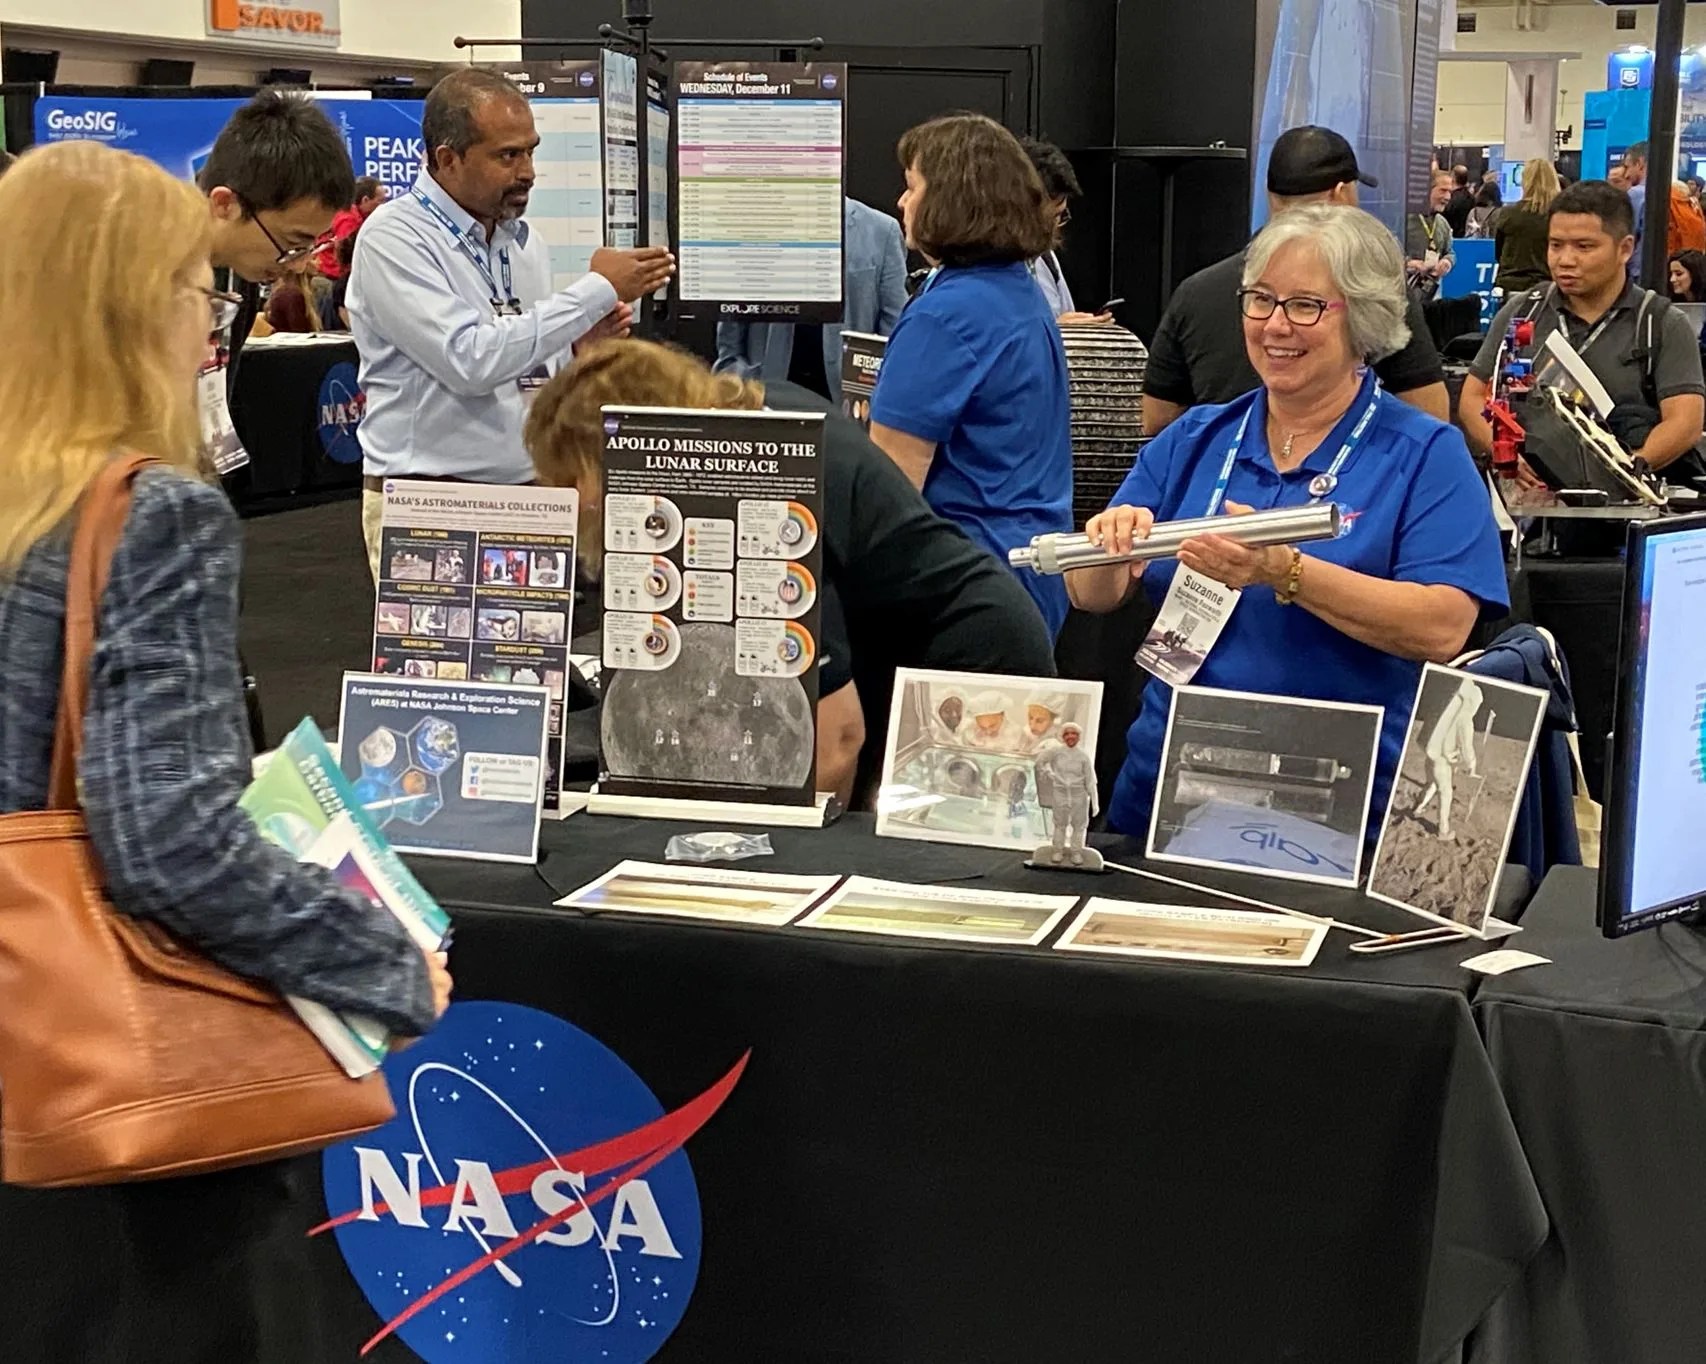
point(1198, 355)
point(903, 588)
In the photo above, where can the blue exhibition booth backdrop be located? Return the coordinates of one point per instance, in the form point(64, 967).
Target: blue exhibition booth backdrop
point(384, 136)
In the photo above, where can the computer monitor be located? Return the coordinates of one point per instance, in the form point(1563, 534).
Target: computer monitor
point(1653, 848)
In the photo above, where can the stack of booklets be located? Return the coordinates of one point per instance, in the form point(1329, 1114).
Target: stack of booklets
point(302, 801)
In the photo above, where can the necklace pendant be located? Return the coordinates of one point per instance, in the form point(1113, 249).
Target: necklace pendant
point(1285, 450)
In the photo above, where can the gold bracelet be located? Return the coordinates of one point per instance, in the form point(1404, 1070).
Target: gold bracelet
point(1293, 579)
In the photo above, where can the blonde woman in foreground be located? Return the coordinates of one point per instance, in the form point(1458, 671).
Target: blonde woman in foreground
point(103, 361)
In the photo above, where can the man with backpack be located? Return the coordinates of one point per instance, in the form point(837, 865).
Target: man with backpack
point(1639, 347)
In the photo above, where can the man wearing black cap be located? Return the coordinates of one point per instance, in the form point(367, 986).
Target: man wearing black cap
point(1198, 354)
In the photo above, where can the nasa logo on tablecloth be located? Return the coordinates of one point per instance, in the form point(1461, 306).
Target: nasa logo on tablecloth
point(342, 406)
point(529, 1202)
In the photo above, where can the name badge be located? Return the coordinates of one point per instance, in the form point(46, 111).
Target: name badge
point(1188, 627)
point(218, 432)
point(531, 382)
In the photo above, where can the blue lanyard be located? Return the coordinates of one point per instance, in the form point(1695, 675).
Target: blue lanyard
point(460, 237)
point(1327, 481)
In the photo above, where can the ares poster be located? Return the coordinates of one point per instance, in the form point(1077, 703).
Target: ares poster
point(477, 584)
point(713, 571)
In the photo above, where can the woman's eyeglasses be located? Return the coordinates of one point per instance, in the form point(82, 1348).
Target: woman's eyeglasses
point(222, 307)
point(1259, 305)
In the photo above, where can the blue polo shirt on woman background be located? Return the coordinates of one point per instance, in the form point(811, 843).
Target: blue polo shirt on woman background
point(976, 365)
point(1414, 510)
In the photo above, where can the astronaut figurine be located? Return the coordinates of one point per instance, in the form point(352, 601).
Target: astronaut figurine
point(1066, 784)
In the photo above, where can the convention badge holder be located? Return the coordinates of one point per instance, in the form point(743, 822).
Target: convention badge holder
point(1187, 628)
point(819, 815)
point(218, 432)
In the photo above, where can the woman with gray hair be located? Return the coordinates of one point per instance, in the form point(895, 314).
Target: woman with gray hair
point(1353, 619)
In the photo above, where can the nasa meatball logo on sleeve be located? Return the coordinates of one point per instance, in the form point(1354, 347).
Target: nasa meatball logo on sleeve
point(531, 1201)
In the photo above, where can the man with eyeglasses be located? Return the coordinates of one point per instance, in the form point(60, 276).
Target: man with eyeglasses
point(1060, 183)
point(1198, 355)
point(452, 307)
point(277, 175)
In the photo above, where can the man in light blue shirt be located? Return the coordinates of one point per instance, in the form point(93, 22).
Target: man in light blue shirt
point(451, 305)
point(873, 294)
point(1635, 184)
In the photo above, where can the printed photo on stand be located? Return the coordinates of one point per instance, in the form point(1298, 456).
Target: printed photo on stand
point(965, 751)
point(1234, 937)
point(1454, 803)
point(1267, 784)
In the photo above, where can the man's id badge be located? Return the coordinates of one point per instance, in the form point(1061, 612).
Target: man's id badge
point(531, 382)
point(224, 451)
point(1191, 619)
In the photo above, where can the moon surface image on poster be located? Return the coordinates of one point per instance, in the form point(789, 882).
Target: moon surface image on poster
point(697, 721)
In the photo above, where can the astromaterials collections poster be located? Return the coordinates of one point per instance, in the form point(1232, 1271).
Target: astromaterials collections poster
point(713, 573)
point(759, 188)
point(477, 583)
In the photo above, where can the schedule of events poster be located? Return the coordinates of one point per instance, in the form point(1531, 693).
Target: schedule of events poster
point(477, 584)
point(713, 566)
point(759, 170)
point(861, 365)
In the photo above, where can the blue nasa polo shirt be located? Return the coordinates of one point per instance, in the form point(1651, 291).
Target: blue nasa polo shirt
point(1415, 511)
point(976, 365)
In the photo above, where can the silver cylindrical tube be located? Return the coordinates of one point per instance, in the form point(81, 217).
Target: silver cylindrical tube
point(1287, 526)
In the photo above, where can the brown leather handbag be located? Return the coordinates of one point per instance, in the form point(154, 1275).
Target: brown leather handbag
point(125, 1055)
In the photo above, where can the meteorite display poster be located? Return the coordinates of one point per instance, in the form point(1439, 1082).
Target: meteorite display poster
point(451, 769)
point(861, 365)
point(477, 583)
point(713, 560)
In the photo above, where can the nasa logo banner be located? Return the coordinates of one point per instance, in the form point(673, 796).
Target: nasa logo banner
point(531, 1200)
point(342, 406)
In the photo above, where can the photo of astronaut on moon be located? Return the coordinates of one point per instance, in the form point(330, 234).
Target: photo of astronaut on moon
point(987, 761)
point(1268, 784)
point(1465, 766)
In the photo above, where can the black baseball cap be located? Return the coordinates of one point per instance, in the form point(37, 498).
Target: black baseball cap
point(1311, 160)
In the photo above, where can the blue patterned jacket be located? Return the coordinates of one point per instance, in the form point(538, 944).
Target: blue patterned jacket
point(166, 756)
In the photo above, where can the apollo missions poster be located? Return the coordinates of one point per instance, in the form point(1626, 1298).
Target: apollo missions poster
point(713, 579)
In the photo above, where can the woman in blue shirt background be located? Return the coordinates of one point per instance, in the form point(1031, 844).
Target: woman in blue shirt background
point(1418, 560)
point(974, 402)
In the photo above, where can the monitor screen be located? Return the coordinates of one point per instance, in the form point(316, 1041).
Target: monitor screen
point(1653, 858)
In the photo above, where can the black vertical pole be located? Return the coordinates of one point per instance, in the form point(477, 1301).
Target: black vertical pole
point(1661, 144)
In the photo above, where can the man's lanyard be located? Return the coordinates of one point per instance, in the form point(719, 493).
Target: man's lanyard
point(507, 301)
point(1322, 485)
point(1428, 226)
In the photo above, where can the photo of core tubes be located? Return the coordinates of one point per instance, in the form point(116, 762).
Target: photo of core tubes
point(1266, 783)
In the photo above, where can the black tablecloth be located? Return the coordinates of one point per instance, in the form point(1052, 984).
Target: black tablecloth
point(277, 408)
point(951, 1153)
point(1602, 1057)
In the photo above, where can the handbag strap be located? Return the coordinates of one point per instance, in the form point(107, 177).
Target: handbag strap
point(101, 514)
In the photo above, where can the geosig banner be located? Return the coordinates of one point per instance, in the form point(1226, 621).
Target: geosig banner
point(384, 136)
